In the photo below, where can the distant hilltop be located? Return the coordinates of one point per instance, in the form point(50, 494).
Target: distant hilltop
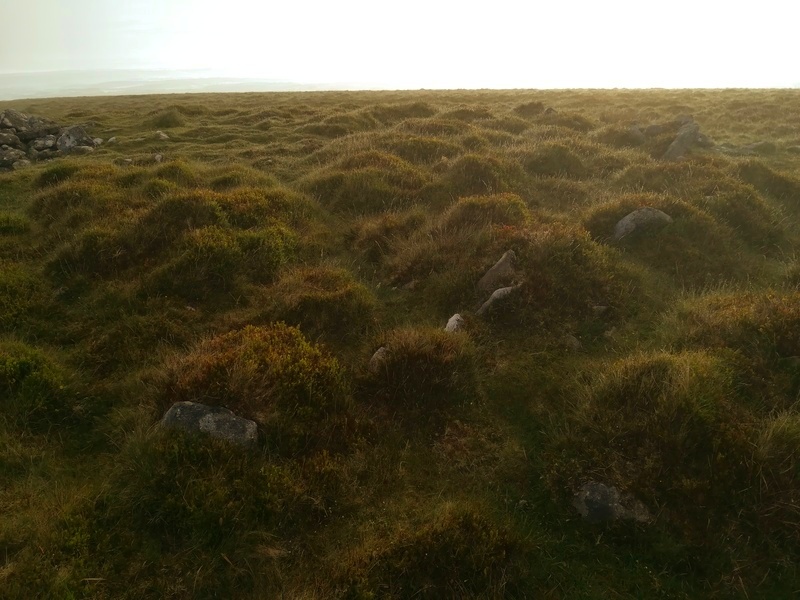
point(57, 84)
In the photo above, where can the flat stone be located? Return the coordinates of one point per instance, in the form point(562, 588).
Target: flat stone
point(600, 503)
point(502, 273)
point(454, 323)
point(111, 141)
point(215, 421)
point(643, 219)
point(160, 135)
point(97, 141)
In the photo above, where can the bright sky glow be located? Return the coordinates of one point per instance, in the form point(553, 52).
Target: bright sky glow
point(416, 43)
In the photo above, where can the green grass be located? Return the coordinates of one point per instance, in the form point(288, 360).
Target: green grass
point(284, 238)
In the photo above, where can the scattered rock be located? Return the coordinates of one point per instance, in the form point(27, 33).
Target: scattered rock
point(160, 135)
point(377, 359)
point(600, 503)
point(762, 148)
point(550, 111)
point(111, 141)
point(21, 164)
point(454, 323)
point(72, 138)
point(158, 158)
point(216, 421)
point(642, 219)
point(686, 138)
point(98, 142)
point(502, 273)
point(497, 296)
point(45, 143)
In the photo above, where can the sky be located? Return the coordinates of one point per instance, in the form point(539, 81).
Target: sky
point(413, 44)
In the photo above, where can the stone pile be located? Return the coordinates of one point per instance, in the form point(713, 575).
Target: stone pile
point(27, 138)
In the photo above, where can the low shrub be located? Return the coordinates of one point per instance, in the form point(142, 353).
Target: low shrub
point(168, 117)
point(459, 553)
point(271, 374)
point(427, 369)
point(323, 301)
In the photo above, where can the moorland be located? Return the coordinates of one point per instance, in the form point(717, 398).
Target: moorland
point(258, 254)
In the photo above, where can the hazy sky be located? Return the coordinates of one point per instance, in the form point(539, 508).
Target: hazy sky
point(417, 43)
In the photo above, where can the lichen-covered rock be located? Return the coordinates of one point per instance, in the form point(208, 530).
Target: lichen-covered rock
point(215, 421)
point(74, 137)
point(26, 127)
point(8, 156)
point(600, 503)
point(502, 273)
point(44, 143)
point(21, 164)
point(454, 323)
point(642, 219)
point(7, 138)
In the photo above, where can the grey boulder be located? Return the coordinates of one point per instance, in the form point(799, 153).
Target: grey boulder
point(378, 359)
point(686, 138)
point(27, 127)
point(8, 156)
point(7, 138)
point(215, 421)
point(600, 503)
point(642, 219)
point(74, 137)
point(502, 273)
point(44, 143)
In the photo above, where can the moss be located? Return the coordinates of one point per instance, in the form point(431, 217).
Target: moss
point(271, 374)
point(427, 369)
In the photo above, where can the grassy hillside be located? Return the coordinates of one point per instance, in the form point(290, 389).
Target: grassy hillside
point(260, 256)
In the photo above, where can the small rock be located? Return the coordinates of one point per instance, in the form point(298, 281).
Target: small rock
point(496, 297)
point(74, 137)
point(550, 111)
point(160, 135)
point(686, 138)
point(26, 127)
point(378, 359)
point(216, 421)
point(454, 323)
point(704, 141)
point(111, 141)
point(643, 219)
point(21, 164)
point(411, 285)
point(600, 503)
point(158, 158)
point(97, 141)
point(762, 148)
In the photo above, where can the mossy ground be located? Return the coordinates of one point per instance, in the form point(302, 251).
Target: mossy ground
point(283, 238)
